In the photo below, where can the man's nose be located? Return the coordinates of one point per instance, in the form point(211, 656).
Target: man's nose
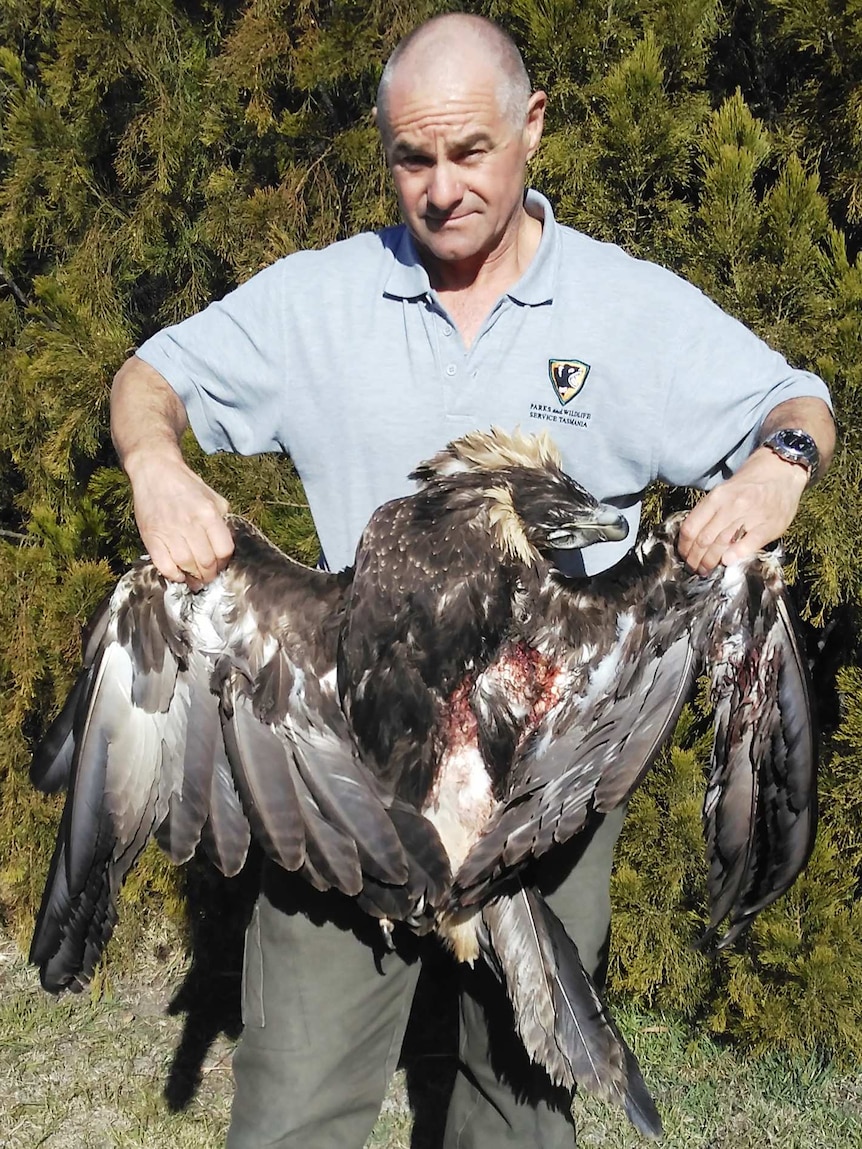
point(446, 188)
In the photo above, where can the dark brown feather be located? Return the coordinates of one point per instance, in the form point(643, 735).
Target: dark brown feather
point(561, 1017)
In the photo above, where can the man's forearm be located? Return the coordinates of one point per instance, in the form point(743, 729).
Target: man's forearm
point(757, 504)
point(147, 416)
point(804, 414)
point(180, 518)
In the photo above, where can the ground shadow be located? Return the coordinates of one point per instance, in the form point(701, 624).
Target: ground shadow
point(218, 911)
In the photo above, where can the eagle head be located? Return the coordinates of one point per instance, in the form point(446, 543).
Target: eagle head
point(559, 514)
point(535, 507)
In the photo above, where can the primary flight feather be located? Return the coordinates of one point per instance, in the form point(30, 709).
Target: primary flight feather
point(413, 730)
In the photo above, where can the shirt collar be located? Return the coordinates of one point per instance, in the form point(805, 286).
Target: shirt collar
point(408, 279)
point(536, 285)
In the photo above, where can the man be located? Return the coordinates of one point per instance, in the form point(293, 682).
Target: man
point(480, 310)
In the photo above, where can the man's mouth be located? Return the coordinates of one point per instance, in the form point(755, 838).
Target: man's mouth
point(433, 222)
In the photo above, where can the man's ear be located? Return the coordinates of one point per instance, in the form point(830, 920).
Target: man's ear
point(379, 122)
point(535, 121)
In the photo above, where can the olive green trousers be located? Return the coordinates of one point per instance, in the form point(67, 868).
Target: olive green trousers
point(325, 1008)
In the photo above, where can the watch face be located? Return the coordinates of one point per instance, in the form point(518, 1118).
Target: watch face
point(795, 446)
point(796, 440)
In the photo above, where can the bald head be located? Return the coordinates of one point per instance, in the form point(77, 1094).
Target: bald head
point(463, 45)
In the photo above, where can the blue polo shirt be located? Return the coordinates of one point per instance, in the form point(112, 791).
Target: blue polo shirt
point(346, 359)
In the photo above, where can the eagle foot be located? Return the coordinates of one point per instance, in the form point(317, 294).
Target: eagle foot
point(386, 928)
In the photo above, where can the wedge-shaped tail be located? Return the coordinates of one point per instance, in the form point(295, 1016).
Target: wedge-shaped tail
point(561, 1018)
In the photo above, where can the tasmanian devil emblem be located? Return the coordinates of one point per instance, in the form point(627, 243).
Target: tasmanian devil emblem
point(568, 377)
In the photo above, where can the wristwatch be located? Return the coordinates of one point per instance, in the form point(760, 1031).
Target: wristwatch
point(795, 446)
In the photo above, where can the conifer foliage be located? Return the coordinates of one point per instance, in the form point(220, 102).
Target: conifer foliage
point(154, 154)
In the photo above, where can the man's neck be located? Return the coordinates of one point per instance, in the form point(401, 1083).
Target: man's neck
point(470, 288)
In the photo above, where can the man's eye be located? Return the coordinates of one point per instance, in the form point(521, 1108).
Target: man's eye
point(472, 155)
point(413, 162)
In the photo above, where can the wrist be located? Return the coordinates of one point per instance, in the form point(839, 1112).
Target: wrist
point(791, 474)
point(796, 447)
point(151, 456)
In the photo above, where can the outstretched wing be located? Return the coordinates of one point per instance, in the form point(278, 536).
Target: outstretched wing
point(595, 745)
point(209, 718)
point(760, 809)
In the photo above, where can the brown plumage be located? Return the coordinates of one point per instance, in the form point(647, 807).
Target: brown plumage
point(414, 730)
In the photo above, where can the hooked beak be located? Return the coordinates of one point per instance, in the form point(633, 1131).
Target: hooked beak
point(599, 524)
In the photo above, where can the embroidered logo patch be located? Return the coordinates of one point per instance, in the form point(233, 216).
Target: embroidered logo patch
point(568, 377)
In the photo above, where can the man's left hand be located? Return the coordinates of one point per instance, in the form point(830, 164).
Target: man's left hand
point(742, 515)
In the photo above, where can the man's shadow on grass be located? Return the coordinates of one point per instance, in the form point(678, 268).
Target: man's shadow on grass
point(218, 910)
point(210, 997)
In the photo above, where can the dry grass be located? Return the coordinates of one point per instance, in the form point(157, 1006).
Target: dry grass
point(76, 1073)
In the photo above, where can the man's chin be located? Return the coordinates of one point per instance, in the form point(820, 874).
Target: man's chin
point(450, 246)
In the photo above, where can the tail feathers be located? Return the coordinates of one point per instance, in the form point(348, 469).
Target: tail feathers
point(563, 1022)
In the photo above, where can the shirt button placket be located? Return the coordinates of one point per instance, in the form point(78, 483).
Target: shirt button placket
point(451, 368)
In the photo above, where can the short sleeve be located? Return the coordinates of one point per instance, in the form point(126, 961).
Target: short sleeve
point(723, 382)
point(228, 366)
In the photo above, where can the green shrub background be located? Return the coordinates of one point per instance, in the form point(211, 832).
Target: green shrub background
point(154, 154)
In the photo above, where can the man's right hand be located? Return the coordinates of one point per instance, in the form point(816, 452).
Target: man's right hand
point(181, 521)
point(180, 518)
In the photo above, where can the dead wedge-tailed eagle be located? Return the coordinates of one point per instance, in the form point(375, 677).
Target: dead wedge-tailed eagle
point(412, 731)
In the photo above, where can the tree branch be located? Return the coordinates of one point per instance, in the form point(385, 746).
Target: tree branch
point(13, 287)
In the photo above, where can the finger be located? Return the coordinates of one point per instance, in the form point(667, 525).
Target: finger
point(194, 584)
point(694, 533)
point(743, 548)
point(709, 547)
point(160, 557)
point(197, 557)
point(221, 543)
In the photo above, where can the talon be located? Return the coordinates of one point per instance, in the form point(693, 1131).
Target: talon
point(386, 928)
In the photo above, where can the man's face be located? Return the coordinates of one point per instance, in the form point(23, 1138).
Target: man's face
point(458, 162)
